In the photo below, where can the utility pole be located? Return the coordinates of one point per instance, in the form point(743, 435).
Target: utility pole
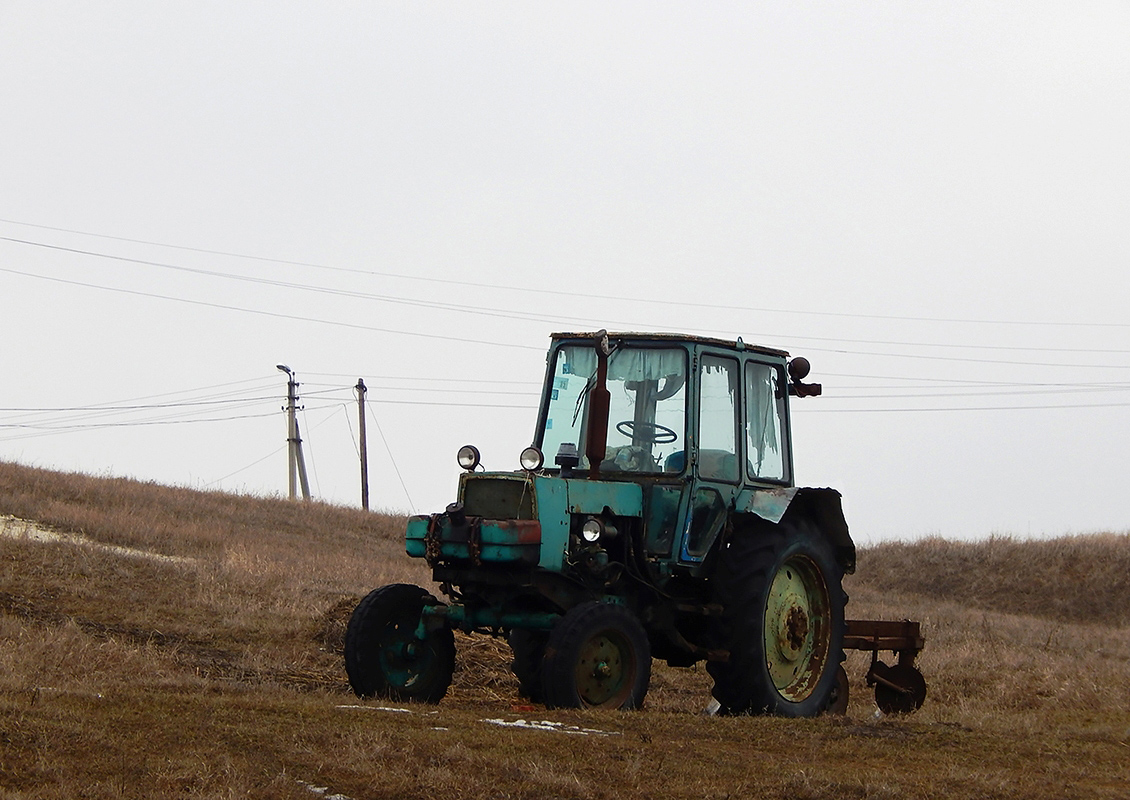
point(296, 463)
point(360, 387)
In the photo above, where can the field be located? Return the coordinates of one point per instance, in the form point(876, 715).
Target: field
point(164, 642)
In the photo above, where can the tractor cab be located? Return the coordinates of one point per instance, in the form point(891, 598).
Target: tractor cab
point(696, 422)
point(647, 429)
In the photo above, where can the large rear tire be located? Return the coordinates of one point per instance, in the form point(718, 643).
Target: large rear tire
point(383, 656)
point(781, 590)
point(597, 656)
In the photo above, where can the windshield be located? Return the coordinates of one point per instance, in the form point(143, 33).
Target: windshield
point(647, 417)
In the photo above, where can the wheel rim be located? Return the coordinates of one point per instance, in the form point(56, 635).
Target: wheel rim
point(405, 661)
point(797, 633)
point(605, 670)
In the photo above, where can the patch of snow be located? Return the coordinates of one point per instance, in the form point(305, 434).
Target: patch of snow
point(553, 727)
point(322, 791)
point(532, 725)
point(16, 528)
point(377, 708)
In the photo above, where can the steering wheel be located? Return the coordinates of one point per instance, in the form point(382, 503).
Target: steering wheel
point(650, 432)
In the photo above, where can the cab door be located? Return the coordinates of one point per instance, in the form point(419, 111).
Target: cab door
point(717, 463)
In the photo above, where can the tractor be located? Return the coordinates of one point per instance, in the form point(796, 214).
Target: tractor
point(667, 526)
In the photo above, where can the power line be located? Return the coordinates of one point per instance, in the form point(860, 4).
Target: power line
point(387, 401)
point(430, 390)
point(198, 389)
point(965, 381)
point(49, 430)
point(275, 314)
point(545, 318)
point(93, 412)
point(408, 301)
point(955, 359)
point(479, 310)
point(392, 458)
point(515, 345)
point(149, 406)
point(347, 376)
point(563, 293)
point(810, 410)
point(274, 452)
point(1003, 393)
point(310, 447)
point(352, 435)
point(31, 415)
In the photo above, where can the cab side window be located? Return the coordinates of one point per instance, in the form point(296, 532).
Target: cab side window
point(766, 457)
point(717, 419)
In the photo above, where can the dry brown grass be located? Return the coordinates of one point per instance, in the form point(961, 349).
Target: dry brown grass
point(125, 677)
point(1067, 579)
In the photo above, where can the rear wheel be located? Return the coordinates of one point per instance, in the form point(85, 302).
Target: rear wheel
point(597, 656)
point(781, 590)
point(383, 655)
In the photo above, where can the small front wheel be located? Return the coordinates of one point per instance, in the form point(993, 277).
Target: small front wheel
point(597, 656)
point(383, 655)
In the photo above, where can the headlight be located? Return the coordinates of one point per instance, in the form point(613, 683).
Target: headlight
point(468, 456)
point(591, 530)
point(531, 459)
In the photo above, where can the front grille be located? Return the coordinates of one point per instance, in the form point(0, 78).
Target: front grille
point(499, 498)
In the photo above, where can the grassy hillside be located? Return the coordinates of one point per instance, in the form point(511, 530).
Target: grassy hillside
point(1084, 579)
point(174, 643)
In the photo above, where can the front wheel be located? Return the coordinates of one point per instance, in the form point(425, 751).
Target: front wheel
point(383, 655)
point(597, 656)
point(781, 590)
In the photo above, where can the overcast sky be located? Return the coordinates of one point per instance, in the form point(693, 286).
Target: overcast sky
point(930, 201)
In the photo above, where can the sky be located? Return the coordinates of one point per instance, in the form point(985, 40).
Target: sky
point(929, 201)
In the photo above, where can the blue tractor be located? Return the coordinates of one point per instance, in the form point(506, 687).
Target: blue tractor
point(668, 525)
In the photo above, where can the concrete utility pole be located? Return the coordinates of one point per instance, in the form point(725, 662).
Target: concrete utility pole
point(360, 387)
point(296, 463)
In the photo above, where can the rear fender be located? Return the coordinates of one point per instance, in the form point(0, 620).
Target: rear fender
point(823, 506)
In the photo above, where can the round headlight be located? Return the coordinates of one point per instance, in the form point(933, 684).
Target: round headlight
point(468, 456)
point(531, 459)
point(591, 530)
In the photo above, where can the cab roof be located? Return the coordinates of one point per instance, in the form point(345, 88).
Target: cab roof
point(675, 338)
